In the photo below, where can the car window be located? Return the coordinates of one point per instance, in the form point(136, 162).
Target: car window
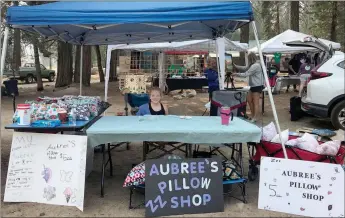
point(43, 67)
point(341, 64)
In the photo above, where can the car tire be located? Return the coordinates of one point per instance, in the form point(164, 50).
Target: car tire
point(29, 79)
point(51, 77)
point(338, 112)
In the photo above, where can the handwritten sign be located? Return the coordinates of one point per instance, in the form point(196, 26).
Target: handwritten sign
point(191, 186)
point(47, 168)
point(301, 187)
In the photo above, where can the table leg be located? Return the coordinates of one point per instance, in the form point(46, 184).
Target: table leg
point(103, 169)
point(190, 150)
point(110, 160)
point(263, 103)
point(144, 151)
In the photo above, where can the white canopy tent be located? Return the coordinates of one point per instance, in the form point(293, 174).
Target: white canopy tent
point(205, 45)
point(276, 44)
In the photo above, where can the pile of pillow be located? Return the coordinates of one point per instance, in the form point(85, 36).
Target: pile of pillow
point(307, 142)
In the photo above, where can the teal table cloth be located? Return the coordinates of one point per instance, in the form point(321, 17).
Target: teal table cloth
point(196, 129)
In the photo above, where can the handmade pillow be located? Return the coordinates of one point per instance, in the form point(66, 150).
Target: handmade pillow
point(137, 175)
point(329, 148)
point(229, 171)
point(292, 142)
point(285, 137)
point(268, 132)
point(308, 142)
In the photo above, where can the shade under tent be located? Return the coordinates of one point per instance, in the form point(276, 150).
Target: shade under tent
point(205, 45)
point(104, 23)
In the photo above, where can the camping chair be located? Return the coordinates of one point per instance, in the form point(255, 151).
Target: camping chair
point(135, 101)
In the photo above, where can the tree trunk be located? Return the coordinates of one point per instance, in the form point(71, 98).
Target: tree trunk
point(16, 48)
point(99, 64)
point(64, 65)
point(86, 65)
point(334, 21)
point(294, 16)
point(77, 64)
point(277, 26)
point(244, 39)
point(37, 65)
point(267, 18)
point(113, 64)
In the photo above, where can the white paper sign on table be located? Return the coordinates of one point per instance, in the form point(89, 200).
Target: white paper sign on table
point(301, 187)
point(47, 168)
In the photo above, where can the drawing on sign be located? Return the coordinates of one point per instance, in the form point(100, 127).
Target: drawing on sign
point(74, 196)
point(68, 193)
point(47, 174)
point(66, 176)
point(156, 203)
point(336, 169)
point(49, 193)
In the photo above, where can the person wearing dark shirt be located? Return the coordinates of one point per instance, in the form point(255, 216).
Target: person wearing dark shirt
point(294, 65)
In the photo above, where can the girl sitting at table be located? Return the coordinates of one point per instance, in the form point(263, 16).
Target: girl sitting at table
point(154, 107)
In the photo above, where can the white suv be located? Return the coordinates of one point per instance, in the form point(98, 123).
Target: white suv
point(325, 96)
point(326, 91)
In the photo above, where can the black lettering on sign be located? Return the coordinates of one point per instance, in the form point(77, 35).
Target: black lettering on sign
point(72, 142)
point(275, 160)
point(312, 197)
point(271, 187)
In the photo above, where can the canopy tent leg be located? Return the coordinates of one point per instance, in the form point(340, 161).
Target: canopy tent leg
point(268, 86)
point(220, 50)
point(161, 71)
point(81, 71)
point(107, 73)
point(2, 66)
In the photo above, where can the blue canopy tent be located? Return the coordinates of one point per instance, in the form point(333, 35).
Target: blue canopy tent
point(103, 23)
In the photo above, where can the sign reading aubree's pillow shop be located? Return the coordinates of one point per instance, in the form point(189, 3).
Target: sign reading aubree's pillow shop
point(190, 186)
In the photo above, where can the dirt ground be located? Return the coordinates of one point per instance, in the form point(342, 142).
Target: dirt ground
point(115, 201)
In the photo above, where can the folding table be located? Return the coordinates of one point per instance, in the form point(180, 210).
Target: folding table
point(196, 130)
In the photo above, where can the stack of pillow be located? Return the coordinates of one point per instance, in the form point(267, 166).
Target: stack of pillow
point(307, 142)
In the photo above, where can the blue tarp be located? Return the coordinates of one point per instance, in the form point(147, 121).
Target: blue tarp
point(131, 22)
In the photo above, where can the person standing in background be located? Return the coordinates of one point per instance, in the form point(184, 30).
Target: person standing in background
point(211, 74)
point(256, 82)
point(304, 72)
point(294, 65)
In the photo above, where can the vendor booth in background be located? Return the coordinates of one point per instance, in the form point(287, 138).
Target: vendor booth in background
point(169, 65)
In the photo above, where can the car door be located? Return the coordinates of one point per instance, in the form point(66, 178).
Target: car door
point(327, 52)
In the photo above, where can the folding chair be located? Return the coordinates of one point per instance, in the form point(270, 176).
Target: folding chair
point(135, 101)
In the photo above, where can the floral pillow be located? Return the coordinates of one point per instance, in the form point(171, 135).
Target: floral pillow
point(137, 175)
point(229, 171)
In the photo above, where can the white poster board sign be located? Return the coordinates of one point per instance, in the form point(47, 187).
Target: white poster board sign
point(301, 187)
point(47, 168)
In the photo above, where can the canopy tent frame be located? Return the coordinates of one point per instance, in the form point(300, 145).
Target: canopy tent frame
point(15, 17)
